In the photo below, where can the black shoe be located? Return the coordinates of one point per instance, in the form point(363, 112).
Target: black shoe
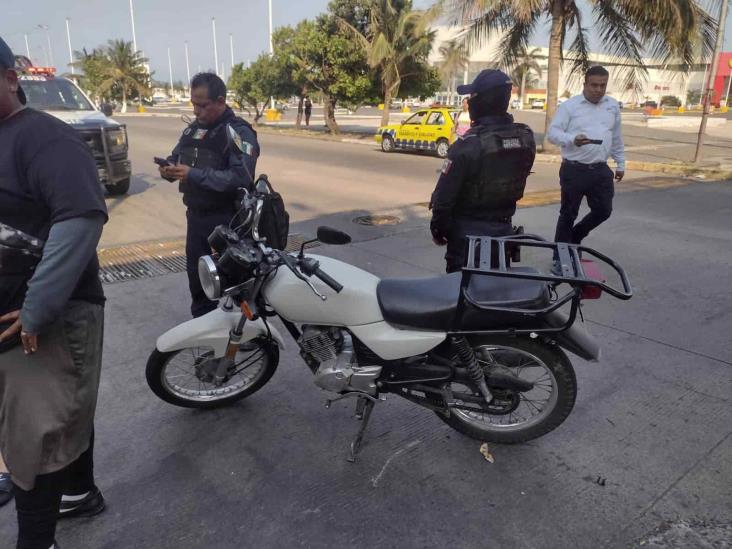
point(91, 505)
point(6, 489)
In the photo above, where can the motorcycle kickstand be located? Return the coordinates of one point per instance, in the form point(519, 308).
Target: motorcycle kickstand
point(364, 406)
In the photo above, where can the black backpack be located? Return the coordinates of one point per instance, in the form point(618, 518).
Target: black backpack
point(274, 225)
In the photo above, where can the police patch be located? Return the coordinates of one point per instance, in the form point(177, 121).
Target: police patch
point(511, 143)
point(446, 165)
point(199, 133)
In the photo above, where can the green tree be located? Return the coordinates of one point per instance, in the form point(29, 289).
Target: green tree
point(265, 78)
point(395, 34)
point(665, 29)
point(455, 58)
point(330, 62)
point(526, 69)
point(115, 71)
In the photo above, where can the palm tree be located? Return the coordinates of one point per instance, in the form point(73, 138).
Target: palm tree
point(125, 70)
point(526, 70)
point(627, 28)
point(396, 34)
point(455, 58)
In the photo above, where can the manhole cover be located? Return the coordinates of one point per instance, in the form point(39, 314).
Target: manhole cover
point(377, 220)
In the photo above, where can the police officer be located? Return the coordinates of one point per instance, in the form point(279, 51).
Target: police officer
point(485, 171)
point(211, 167)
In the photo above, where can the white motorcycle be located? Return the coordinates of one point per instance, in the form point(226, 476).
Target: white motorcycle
point(483, 349)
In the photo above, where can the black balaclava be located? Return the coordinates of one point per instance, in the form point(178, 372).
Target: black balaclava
point(493, 102)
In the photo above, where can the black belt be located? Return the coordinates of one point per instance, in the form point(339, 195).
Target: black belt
point(583, 165)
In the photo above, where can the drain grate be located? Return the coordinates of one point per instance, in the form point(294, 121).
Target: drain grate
point(150, 259)
point(377, 220)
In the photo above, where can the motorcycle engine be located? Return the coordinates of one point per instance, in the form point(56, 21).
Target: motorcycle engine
point(329, 352)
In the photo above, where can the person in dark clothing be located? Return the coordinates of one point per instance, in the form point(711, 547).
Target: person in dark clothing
point(308, 110)
point(211, 168)
point(485, 171)
point(52, 212)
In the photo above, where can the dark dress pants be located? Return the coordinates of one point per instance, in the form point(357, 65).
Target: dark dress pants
point(199, 228)
point(595, 182)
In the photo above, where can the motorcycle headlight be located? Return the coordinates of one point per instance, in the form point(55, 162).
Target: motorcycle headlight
point(117, 141)
point(208, 273)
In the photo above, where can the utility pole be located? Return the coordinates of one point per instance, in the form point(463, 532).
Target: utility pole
point(132, 18)
point(27, 47)
point(231, 47)
point(271, 48)
point(709, 84)
point(216, 52)
point(68, 39)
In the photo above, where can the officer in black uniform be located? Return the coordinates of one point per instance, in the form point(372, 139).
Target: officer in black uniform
point(485, 171)
point(211, 167)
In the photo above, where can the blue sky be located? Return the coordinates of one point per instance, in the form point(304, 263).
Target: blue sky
point(163, 24)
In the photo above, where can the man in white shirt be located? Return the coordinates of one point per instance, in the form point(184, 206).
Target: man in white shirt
point(587, 127)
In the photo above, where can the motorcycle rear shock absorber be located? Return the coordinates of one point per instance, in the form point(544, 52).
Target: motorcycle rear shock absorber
point(470, 361)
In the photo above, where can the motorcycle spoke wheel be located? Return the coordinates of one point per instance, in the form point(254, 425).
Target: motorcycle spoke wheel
point(532, 407)
point(185, 377)
point(513, 417)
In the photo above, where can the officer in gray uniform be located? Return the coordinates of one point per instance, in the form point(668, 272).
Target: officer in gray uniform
point(211, 168)
point(485, 171)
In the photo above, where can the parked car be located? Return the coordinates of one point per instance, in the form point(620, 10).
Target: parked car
point(426, 130)
point(538, 104)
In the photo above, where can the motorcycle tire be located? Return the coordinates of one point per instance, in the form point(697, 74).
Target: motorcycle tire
point(561, 397)
point(158, 362)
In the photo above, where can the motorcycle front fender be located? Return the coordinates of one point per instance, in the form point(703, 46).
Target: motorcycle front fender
point(575, 339)
point(212, 330)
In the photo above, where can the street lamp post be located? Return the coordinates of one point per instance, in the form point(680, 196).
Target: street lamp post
point(188, 68)
point(49, 56)
point(271, 47)
point(27, 47)
point(231, 47)
point(68, 39)
point(170, 72)
point(216, 52)
point(709, 84)
point(132, 19)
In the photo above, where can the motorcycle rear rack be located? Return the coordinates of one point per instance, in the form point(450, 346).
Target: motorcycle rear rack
point(479, 262)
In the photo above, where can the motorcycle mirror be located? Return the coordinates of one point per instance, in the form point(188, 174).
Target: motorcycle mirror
point(334, 237)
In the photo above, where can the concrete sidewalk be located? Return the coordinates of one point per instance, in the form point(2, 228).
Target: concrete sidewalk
point(647, 446)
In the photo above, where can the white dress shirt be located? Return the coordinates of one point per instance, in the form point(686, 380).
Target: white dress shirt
point(597, 121)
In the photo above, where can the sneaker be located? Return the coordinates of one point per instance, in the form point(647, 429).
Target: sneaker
point(88, 506)
point(6, 489)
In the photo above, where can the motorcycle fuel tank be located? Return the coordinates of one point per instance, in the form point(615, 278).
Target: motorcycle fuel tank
point(356, 304)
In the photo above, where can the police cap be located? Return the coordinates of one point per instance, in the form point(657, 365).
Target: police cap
point(487, 79)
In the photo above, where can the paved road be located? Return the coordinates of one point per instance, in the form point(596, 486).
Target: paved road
point(649, 440)
point(316, 177)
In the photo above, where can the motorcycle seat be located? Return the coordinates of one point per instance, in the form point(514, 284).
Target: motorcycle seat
point(431, 303)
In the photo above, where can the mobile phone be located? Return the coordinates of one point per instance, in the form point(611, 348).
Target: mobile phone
point(595, 141)
point(161, 161)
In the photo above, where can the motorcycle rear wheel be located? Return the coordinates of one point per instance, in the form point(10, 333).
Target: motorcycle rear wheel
point(174, 378)
point(532, 414)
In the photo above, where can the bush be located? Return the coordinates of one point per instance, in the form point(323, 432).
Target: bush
point(670, 101)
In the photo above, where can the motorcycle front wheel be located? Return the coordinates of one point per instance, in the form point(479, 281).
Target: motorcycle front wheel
point(186, 377)
point(513, 417)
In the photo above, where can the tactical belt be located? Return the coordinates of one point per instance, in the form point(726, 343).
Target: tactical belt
point(583, 165)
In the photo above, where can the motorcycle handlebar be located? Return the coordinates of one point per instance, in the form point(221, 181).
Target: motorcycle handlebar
point(328, 280)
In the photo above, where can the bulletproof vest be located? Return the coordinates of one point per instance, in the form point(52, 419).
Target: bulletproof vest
point(205, 148)
point(19, 251)
point(498, 179)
